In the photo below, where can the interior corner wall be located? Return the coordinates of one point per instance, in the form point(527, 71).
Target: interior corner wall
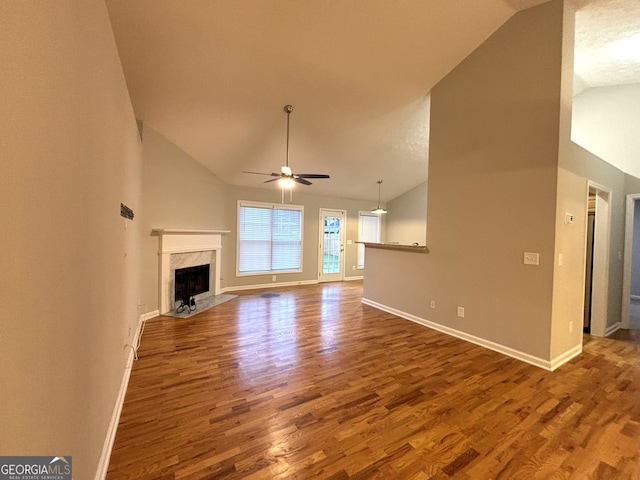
point(493, 164)
point(570, 242)
point(69, 280)
point(407, 217)
point(569, 273)
point(178, 192)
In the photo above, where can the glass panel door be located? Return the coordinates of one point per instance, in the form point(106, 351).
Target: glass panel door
point(331, 253)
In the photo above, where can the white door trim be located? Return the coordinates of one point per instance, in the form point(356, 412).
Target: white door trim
point(335, 277)
point(600, 280)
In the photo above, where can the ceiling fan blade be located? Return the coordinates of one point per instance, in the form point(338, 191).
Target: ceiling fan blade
point(301, 180)
point(311, 175)
point(262, 173)
point(272, 180)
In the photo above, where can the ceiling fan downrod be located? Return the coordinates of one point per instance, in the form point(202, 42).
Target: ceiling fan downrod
point(288, 109)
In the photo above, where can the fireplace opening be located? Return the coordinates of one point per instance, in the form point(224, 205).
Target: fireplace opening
point(190, 281)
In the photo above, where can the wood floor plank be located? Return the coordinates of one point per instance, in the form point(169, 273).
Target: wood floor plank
point(312, 384)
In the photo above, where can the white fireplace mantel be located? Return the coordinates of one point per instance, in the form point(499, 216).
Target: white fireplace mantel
point(173, 241)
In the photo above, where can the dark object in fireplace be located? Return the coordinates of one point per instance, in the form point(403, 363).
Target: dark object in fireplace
point(190, 281)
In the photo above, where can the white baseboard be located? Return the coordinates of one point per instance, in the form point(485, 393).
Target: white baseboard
point(147, 316)
point(105, 456)
point(565, 357)
point(268, 285)
point(349, 279)
point(496, 347)
point(282, 284)
point(615, 327)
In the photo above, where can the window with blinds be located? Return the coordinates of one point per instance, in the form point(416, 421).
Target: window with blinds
point(269, 238)
point(368, 231)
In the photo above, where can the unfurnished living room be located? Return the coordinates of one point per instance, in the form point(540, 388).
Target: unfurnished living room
point(320, 239)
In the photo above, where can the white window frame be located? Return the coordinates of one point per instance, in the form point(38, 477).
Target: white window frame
point(274, 206)
point(360, 261)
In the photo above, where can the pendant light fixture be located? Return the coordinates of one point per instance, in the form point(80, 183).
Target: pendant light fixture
point(379, 209)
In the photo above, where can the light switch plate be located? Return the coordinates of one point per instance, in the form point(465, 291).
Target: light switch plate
point(531, 258)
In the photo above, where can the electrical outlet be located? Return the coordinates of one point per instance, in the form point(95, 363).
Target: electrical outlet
point(433, 304)
point(461, 312)
point(353, 267)
point(273, 278)
point(571, 327)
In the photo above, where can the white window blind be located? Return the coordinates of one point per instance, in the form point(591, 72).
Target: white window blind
point(269, 238)
point(368, 231)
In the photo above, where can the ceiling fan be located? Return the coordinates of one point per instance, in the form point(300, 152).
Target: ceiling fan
point(286, 178)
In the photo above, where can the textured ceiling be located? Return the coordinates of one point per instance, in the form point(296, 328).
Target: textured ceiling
point(213, 77)
point(607, 42)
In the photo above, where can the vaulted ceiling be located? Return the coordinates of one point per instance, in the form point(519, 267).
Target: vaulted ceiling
point(213, 77)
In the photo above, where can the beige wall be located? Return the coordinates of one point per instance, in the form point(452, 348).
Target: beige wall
point(407, 217)
point(178, 192)
point(69, 281)
point(493, 163)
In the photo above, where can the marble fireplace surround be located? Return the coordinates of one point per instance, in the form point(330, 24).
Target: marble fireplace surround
point(186, 248)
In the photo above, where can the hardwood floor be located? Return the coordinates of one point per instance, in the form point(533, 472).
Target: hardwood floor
point(313, 384)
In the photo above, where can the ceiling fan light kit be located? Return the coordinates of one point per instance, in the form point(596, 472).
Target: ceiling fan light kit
point(286, 178)
point(286, 182)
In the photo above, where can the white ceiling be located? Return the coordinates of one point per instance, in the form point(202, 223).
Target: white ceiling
point(607, 42)
point(213, 77)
